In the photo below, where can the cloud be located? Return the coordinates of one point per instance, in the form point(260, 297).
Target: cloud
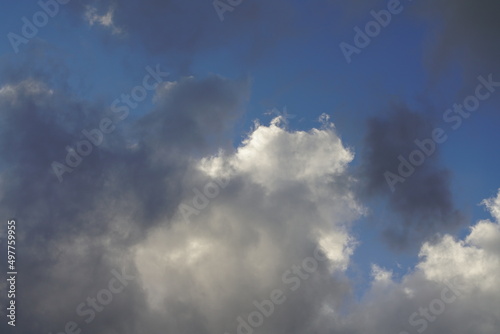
point(289, 193)
point(280, 203)
point(459, 274)
point(457, 33)
point(106, 20)
point(423, 202)
point(181, 30)
point(463, 31)
point(74, 233)
point(192, 115)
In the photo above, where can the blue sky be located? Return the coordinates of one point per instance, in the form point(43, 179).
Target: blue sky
point(264, 58)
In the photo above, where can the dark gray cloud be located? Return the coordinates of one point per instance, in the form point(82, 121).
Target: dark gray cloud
point(459, 33)
point(462, 33)
point(423, 201)
point(182, 29)
point(75, 232)
point(465, 32)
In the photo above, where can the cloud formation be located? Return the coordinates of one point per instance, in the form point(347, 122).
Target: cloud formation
point(288, 195)
point(467, 33)
point(200, 231)
point(87, 223)
point(454, 287)
point(423, 201)
point(281, 202)
point(181, 30)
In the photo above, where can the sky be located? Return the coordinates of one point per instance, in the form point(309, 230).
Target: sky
point(237, 166)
